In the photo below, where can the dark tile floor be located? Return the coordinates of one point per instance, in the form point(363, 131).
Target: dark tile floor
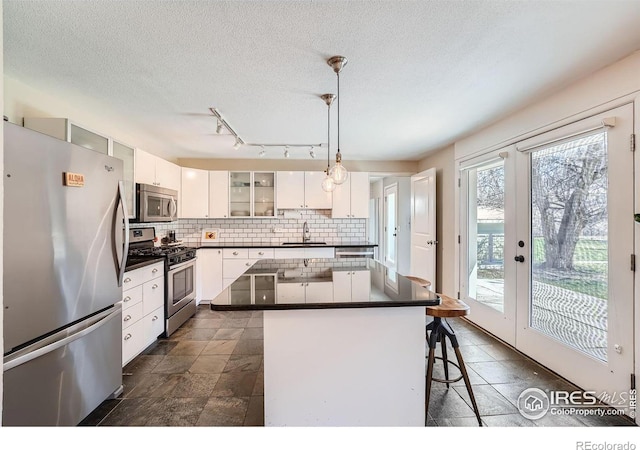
point(210, 372)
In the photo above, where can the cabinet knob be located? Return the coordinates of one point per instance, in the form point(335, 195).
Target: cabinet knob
point(126, 299)
point(127, 318)
point(306, 206)
point(235, 253)
point(301, 284)
point(154, 271)
point(127, 337)
point(154, 318)
point(206, 215)
point(155, 286)
point(248, 264)
point(260, 253)
point(301, 206)
point(225, 215)
point(127, 280)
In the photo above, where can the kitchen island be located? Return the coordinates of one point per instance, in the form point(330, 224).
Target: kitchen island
point(343, 362)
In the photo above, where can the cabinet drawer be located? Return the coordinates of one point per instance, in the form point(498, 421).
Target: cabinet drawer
point(235, 253)
point(153, 326)
point(319, 292)
point(236, 267)
point(142, 275)
point(325, 252)
point(131, 315)
point(261, 253)
point(132, 341)
point(152, 295)
point(131, 297)
point(289, 253)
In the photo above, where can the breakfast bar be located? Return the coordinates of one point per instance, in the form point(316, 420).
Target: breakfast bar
point(350, 361)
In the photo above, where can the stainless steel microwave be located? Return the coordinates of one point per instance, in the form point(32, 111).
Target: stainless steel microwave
point(156, 204)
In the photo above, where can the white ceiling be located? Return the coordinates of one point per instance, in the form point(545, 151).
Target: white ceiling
point(421, 74)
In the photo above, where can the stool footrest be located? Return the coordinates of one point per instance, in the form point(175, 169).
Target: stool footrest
point(445, 380)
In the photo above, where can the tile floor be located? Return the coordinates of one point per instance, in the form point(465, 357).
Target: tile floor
point(210, 373)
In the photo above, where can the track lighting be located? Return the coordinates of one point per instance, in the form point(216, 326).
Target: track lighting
point(236, 146)
point(312, 153)
point(262, 152)
point(286, 151)
point(219, 128)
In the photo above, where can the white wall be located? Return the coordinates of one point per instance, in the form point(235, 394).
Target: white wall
point(582, 99)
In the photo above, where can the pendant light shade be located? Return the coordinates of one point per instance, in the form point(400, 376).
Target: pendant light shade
point(338, 172)
point(328, 185)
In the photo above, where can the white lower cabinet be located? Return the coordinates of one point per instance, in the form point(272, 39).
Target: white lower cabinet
point(142, 309)
point(209, 273)
point(306, 292)
point(351, 285)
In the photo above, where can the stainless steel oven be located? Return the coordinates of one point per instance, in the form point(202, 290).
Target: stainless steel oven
point(181, 294)
point(156, 204)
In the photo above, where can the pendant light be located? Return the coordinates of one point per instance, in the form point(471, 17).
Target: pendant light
point(338, 172)
point(328, 185)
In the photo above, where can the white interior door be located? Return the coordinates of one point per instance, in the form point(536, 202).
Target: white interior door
point(391, 226)
point(575, 280)
point(423, 226)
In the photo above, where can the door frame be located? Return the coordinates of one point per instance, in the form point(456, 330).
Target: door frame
point(385, 216)
point(561, 358)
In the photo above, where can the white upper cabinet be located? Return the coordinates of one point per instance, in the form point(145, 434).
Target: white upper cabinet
point(302, 190)
point(168, 174)
point(151, 169)
point(351, 198)
point(145, 167)
point(68, 131)
point(219, 194)
point(314, 196)
point(290, 190)
point(194, 194)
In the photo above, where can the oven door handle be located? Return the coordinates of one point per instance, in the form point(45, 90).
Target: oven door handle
point(117, 229)
point(181, 265)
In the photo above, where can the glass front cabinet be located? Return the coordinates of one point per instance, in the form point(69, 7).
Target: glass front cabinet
point(252, 194)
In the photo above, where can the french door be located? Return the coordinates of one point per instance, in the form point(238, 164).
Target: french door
point(548, 236)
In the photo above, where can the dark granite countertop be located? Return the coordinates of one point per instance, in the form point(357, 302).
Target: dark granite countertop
point(388, 289)
point(136, 263)
point(279, 244)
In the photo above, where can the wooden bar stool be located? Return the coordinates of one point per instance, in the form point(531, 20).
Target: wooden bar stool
point(438, 331)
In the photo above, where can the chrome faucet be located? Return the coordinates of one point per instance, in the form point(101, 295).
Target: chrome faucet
point(306, 234)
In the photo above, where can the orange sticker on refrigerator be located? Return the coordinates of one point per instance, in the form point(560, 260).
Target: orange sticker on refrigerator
point(73, 179)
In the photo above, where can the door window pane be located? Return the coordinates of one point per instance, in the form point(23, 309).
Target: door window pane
point(569, 261)
point(486, 234)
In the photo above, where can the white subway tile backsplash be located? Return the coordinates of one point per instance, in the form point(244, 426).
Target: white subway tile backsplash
point(259, 230)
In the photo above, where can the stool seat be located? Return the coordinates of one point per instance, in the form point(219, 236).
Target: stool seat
point(448, 307)
point(420, 281)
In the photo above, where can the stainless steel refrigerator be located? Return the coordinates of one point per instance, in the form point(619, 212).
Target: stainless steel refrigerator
point(64, 256)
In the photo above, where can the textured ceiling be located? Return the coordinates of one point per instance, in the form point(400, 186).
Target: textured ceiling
point(420, 74)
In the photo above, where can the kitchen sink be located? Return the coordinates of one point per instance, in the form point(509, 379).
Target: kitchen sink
point(305, 243)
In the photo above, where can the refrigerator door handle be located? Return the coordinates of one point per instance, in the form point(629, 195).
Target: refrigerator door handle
point(96, 322)
point(117, 230)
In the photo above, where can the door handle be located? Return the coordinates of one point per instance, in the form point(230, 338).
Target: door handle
point(519, 258)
